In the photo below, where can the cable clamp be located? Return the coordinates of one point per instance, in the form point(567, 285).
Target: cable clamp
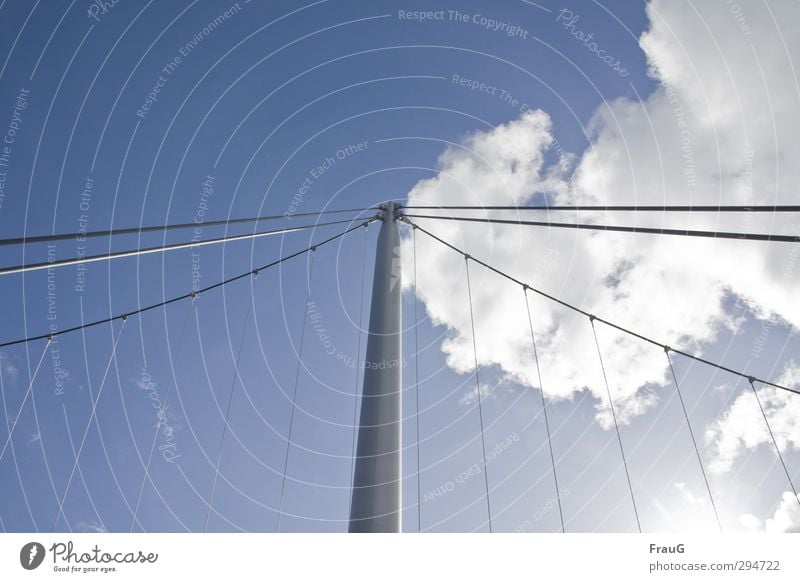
point(525, 286)
point(124, 317)
point(592, 318)
point(667, 349)
point(466, 257)
point(313, 248)
point(255, 272)
point(751, 379)
point(50, 336)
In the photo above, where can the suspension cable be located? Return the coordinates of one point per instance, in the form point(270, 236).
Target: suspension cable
point(616, 427)
point(600, 319)
point(694, 441)
point(92, 417)
point(161, 419)
point(236, 376)
point(357, 375)
point(752, 381)
point(478, 392)
point(615, 228)
point(24, 400)
point(160, 249)
point(191, 294)
point(544, 409)
point(416, 384)
point(294, 391)
point(164, 228)
point(625, 208)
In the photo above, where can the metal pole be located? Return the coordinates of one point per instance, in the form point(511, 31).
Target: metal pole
point(376, 483)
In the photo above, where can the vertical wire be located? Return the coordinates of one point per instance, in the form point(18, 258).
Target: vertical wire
point(25, 399)
point(616, 426)
point(416, 383)
point(89, 423)
point(478, 390)
point(294, 391)
point(355, 387)
point(772, 436)
point(544, 408)
point(227, 414)
point(694, 441)
point(160, 419)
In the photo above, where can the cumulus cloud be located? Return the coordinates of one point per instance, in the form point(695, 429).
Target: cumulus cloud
point(721, 127)
point(786, 518)
point(741, 428)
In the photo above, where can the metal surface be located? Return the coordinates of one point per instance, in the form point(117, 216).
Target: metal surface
point(377, 476)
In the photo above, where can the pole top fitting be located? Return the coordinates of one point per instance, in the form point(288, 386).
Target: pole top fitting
point(383, 209)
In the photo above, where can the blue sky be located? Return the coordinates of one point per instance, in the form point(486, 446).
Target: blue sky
point(254, 106)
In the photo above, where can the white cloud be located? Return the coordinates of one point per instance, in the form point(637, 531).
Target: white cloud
point(34, 438)
point(687, 493)
point(7, 367)
point(786, 518)
point(90, 527)
point(750, 522)
point(721, 128)
point(723, 390)
point(742, 428)
point(470, 398)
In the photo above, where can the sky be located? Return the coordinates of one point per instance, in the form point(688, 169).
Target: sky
point(127, 114)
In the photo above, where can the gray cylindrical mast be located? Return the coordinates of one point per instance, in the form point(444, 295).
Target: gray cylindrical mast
point(376, 483)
